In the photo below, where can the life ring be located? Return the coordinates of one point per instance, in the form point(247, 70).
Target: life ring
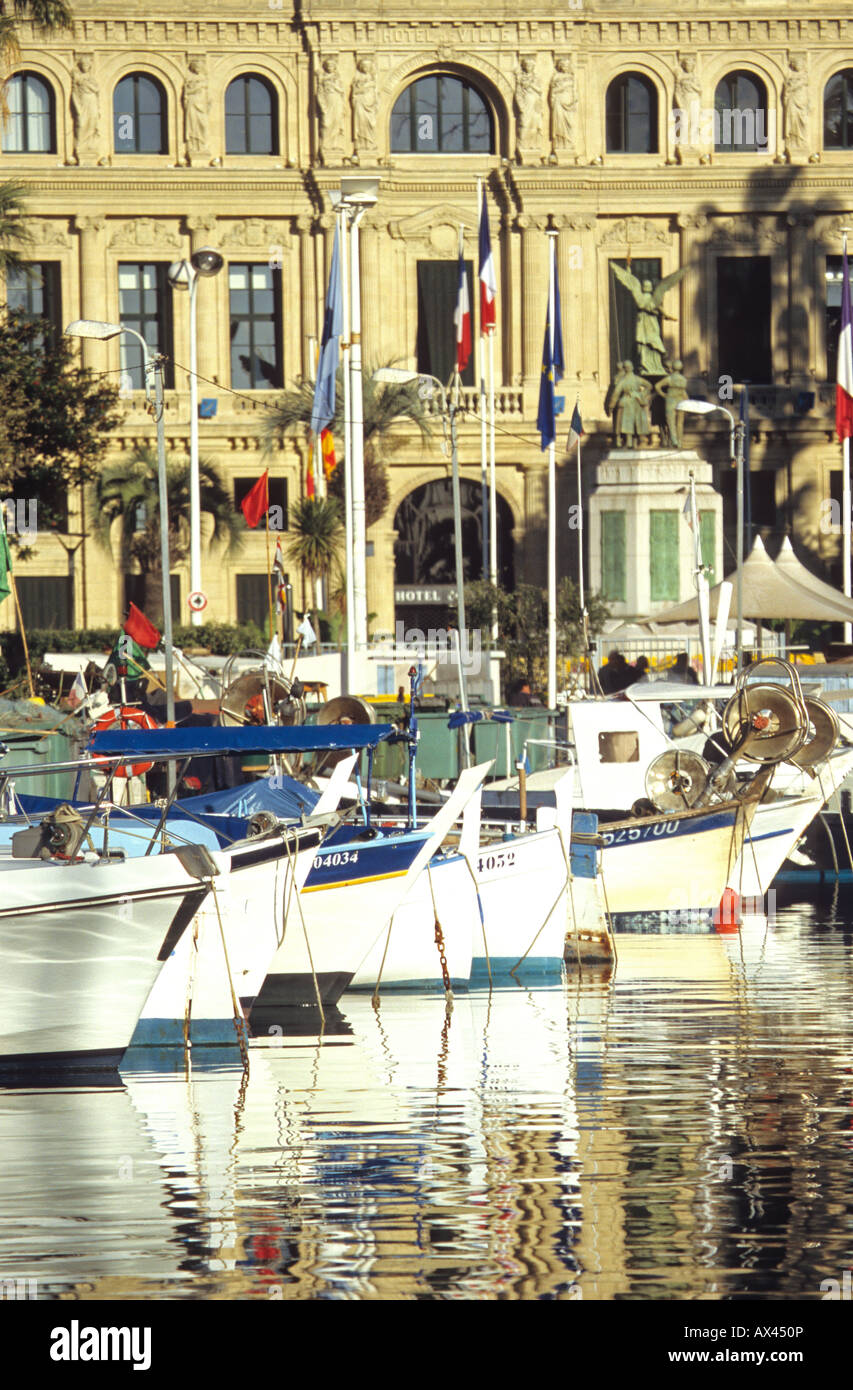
point(126, 717)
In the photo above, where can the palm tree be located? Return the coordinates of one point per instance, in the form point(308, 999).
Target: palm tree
point(315, 541)
point(129, 492)
point(13, 233)
point(385, 404)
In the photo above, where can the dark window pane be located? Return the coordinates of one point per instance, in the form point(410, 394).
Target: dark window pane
point(251, 117)
point(740, 113)
point(440, 113)
point(838, 111)
point(34, 291)
point(255, 327)
point(631, 116)
point(834, 282)
point(743, 318)
point(438, 287)
point(139, 115)
point(46, 601)
point(145, 305)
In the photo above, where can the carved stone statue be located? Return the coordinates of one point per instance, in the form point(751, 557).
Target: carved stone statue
point(796, 95)
point(196, 110)
point(672, 389)
point(649, 300)
point(331, 104)
point(630, 402)
point(686, 108)
point(564, 107)
point(528, 105)
point(86, 110)
point(365, 106)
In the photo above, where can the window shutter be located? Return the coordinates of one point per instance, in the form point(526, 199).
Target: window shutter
point(663, 556)
point(708, 544)
point(613, 556)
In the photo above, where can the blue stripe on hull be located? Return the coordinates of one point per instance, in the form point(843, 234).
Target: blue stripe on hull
point(359, 861)
point(665, 830)
point(532, 968)
point(169, 1032)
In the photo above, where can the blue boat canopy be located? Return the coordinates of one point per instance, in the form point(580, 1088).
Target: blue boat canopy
point(169, 744)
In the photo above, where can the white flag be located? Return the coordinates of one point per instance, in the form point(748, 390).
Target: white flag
point(306, 632)
point(78, 691)
point(273, 659)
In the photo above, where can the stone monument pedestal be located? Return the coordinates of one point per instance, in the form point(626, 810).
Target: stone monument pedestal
point(641, 550)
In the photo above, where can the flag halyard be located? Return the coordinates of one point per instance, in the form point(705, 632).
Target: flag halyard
point(844, 382)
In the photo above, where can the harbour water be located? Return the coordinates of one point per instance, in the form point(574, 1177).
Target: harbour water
point(679, 1129)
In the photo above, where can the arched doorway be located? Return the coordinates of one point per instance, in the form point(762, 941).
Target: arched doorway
point(424, 555)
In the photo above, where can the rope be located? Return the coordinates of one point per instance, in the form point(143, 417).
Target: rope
point(292, 861)
point(439, 941)
point(239, 1020)
point(547, 919)
point(482, 916)
point(382, 963)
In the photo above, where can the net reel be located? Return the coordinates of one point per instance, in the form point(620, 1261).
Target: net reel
point(676, 779)
point(823, 734)
point(257, 697)
point(343, 709)
point(767, 723)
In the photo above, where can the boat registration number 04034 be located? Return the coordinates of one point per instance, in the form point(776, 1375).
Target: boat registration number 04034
point(332, 861)
point(645, 832)
point(501, 859)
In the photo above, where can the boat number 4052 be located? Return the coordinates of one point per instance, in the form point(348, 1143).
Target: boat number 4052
point(501, 859)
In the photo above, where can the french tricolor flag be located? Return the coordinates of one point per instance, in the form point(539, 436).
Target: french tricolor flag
point(462, 319)
point(844, 387)
point(488, 282)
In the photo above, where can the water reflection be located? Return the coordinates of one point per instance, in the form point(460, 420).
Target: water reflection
point(680, 1130)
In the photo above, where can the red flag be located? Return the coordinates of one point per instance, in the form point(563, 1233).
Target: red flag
point(844, 381)
point(309, 477)
point(327, 448)
point(140, 629)
point(257, 501)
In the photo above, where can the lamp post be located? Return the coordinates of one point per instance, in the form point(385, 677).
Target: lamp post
point(95, 328)
point(736, 433)
point(448, 411)
point(185, 275)
point(356, 194)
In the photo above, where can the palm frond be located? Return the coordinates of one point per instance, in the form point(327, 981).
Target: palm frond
point(14, 232)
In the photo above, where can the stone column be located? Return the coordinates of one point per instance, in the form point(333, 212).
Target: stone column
point(211, 293)
point(802, 311)
point(93, 302)
point(380, 577)
point(534, 301)
point(575, 259)
point(692, 308)
point(307, 294)
point(535, 547)
point(373, 299)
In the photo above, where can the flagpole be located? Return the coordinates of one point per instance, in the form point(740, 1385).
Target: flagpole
point(481, 364)
point(552, 505)
point(493, 498)
point(845, 494)
point(348, 517)
point(269, 568)
point(14, 589)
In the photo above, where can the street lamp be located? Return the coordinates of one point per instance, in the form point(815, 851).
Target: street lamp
point(448, 411)
point(736, 434)
point(356, 194)
point(185, 275)
point(96, 328)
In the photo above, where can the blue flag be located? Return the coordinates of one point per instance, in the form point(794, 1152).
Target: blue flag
point(552, 371)
point(323, 411)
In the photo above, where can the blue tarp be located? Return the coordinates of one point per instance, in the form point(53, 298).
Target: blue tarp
point(166, 744)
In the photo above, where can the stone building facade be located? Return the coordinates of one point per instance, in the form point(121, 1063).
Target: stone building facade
point(714, 136)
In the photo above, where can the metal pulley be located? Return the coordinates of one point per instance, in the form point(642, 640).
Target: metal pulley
point(261, 823)
point(823, 733)
point(256, 697)
point(676, 779)
point(765, 723)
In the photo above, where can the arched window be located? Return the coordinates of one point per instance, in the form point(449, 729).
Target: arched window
point(838, 111)
point(139, 115)
point(632, 115)
point(251, 116)
point(440, 114)
point(30, 127)
point(740, 113)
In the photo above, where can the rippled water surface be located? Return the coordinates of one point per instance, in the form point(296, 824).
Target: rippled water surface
point(682, 1129)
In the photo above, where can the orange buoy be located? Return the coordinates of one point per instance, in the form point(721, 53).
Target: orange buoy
point(727, 915)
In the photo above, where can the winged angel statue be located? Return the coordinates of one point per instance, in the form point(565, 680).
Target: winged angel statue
point(649, 302)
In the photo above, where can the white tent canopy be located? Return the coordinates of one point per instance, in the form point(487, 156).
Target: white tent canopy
point(771, 591)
